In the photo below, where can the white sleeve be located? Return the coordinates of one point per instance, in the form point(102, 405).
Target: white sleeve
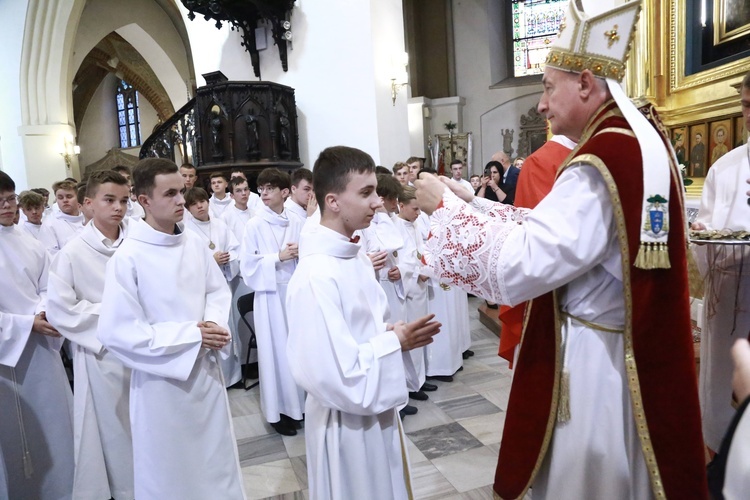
point(14, 333)
point(76, 319)
point(326, 360)
point(495, 257)
point(167, 349)
point(258, 270)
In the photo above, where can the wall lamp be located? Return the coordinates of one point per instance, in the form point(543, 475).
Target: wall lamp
point(69, 149)
point(399, 78)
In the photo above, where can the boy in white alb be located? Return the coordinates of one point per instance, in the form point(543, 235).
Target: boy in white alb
point(301, 200)
point(164, 314)
point(236, 216)
point(268, 260)
point(239, 212)
point(32, 206)
point(220, 199)
point(341, 350)
point(103, 442)
point(416, 284)
point(36, 421)
point(65, 223)
point(135, 210)
point(225, 248)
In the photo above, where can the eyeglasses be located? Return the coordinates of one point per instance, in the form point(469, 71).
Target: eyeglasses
point(267, 189)
point(10, 200)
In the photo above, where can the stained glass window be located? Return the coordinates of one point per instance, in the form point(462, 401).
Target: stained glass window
point(128, 118)
point(535, 27)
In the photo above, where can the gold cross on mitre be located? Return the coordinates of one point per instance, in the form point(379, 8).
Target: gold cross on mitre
point(612, 36)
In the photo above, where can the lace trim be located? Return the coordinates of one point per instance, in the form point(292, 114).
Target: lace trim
point(466, 241)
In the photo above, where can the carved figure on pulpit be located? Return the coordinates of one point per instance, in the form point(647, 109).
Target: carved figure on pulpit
point(284, 144)
point(216, 127)
point(251, 126)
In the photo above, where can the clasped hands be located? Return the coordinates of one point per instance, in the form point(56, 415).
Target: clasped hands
point(214, 336)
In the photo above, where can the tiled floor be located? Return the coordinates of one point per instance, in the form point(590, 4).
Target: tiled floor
point(453, 439)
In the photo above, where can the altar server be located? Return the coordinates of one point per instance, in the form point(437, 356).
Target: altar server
point(32, 206)
point(341, 350)
point(36, 426)
point(726, 269)
point(225, 248)
point(416, 283)
point(164, 314)
point(269, 258)
point(220, 199)
point(64, 223)
point(103, 442)
point(301, 200)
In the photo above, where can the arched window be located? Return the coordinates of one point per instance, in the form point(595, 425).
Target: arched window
point(128, 117)
point(534, 24)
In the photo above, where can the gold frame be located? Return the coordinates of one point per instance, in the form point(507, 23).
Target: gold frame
point(677, 78)
point(720, 28)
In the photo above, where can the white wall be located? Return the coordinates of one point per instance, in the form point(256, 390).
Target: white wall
point(12, 19)
point(335, 67)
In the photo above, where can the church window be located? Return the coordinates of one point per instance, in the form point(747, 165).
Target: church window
point(128, 117)
point(534, 24)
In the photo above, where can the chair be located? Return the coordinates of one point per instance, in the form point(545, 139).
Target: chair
point(244, 306)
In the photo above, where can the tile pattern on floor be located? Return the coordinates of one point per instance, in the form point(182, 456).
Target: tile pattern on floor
point(452, 443)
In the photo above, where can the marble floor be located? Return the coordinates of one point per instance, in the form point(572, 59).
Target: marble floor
point(453, 439)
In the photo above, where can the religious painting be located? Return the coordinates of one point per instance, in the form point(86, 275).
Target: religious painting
point(698, 150)
point(721, 139)
point(731, 20)
point(679, 143)
point(451, 146)
point(740, 132)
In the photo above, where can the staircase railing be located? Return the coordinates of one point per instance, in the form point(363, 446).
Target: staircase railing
point(175, 138)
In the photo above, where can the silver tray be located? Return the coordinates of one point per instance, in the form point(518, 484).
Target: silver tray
point(720, 242)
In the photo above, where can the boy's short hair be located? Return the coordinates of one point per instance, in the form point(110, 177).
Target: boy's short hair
point(65, 185)
point(41, 191)
point(237, 171)
point(456, 161)
point(388, 187)
point(475, 175)
point(398, 166)
point(275, 177)
point(100, 177)
point(412, 159)
point(145, 172)
point(380, 169)
point(6, 183)
point(194, 195)
point(81, 193)
point(218, 174)
point(333, 168)
point(426, 170)
point(122, 170)
point(408, 193)
point(30, 199)
point(187, 165)
point(237, 181)
point(301, 174)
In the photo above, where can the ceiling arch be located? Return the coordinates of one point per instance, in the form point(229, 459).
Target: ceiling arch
point(114, 54)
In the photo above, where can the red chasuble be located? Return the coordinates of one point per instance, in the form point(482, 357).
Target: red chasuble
point(658, 342)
